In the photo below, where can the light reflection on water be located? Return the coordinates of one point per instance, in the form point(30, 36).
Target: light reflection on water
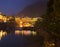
point(25, 32)
point(2, 34)
point(18, 32)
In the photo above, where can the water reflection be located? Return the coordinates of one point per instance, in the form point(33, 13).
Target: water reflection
point(25, 32)
point(2, 34)
point(18, 32)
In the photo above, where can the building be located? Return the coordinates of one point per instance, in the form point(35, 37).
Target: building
point(21, 22)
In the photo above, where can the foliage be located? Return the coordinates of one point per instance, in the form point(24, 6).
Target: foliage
point(37, 24)
point(51, 20)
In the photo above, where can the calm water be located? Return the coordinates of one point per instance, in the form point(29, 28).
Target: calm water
point(13, 40)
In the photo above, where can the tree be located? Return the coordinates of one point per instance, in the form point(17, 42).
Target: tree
point(51, 20)
point(37, 24)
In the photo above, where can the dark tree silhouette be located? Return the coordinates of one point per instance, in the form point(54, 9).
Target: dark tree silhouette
point(51, 20)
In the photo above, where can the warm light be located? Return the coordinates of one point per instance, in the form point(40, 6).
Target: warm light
point(4, 19)
point(33, 32)
point(1, 16)
point(35, 19)
point(21, 24)
point(27, 32)
point(2, 34)
point(52, 44)
point(27, 25)
point(24, 32)
point(17, 32)
point(17, 20)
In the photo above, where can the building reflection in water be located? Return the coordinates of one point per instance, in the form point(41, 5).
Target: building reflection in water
point(2, 34)
point(18, 32)
point(25, 32)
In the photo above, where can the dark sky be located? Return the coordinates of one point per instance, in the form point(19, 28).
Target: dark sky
point(10, 7)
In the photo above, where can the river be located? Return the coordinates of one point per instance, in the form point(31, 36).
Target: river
point(16, 40)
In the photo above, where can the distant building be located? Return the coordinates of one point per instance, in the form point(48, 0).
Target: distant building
point(21, 21)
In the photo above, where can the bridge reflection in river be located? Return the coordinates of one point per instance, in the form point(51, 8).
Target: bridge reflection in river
point(25, 32)
point(18, 32)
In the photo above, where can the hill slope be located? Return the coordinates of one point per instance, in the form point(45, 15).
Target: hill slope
point(34, 10)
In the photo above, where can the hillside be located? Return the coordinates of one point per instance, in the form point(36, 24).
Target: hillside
point(34, 10)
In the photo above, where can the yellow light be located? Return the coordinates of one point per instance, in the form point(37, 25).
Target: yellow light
point(21, 24)
point(33, 32)
point(22, 32)
point(35, 19)
point(27, 32)
point(2, 34)
point(4, 19)
point(17, 32)
point(1, 16)
point(52, 44)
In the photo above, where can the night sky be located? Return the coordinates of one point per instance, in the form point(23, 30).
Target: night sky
point(9, 7)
